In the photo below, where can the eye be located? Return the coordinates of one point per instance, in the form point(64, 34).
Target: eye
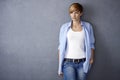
point(75, 12)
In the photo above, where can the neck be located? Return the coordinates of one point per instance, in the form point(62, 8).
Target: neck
point(76, 23)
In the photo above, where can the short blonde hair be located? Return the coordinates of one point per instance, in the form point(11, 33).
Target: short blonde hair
point(75, 7)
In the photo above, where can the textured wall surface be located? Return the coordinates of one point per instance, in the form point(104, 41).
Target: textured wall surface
point(29, 32)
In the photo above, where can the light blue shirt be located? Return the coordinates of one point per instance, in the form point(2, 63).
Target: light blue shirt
point(89, 43)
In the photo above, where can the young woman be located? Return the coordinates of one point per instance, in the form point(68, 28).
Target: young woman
point(76, 46)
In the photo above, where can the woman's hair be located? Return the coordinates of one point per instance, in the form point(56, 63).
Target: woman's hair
point(75, 7)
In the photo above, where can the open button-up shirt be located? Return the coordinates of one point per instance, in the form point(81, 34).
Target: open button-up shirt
point(89, 43)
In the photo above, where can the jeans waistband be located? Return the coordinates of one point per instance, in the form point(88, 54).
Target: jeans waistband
point(75, 60)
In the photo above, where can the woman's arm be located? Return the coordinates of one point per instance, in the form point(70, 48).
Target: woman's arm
point(92, 39)
point(92, 56)
point(59, 60)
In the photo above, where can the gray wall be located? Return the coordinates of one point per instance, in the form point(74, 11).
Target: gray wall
point(29, 32)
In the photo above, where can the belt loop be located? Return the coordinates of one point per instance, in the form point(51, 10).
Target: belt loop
point(73, 60)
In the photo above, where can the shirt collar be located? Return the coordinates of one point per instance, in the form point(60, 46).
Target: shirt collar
point(71, 23)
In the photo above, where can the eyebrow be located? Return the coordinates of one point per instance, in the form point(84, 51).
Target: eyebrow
point(74, 11)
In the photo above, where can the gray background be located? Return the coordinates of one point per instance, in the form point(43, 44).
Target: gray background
point(29, 32)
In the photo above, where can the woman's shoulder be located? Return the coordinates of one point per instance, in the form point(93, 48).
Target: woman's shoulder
point(65, 25)
point(86, 22)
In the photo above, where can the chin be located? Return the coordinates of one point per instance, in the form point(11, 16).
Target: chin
point(73, 19)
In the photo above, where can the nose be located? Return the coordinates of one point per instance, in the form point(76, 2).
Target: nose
point(73, 13)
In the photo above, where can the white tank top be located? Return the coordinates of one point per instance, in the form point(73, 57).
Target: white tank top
point(75, 47)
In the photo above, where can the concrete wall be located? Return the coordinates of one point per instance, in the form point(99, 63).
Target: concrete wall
point(29, 32)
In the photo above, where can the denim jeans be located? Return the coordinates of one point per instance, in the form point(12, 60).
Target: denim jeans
point(73, 71)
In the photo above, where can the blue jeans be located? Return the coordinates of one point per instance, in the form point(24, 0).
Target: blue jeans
point(73, 71)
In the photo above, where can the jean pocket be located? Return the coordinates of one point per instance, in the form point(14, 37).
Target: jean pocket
point(65, 64)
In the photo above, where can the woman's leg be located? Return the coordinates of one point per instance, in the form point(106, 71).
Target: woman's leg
point(81, 75)
point(69, 71)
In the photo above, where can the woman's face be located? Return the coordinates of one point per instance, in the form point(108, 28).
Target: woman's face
point(75, 15)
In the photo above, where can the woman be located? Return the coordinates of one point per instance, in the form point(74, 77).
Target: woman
point(76, 46)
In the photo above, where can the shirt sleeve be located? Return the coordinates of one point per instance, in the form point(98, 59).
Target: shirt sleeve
point(60, 34)
point(92, 38)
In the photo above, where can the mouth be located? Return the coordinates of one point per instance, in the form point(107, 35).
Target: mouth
point(73, 18)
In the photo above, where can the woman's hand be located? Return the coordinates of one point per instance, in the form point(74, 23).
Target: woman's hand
point(61, 74)
point(92, 56)
point(91, 60)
